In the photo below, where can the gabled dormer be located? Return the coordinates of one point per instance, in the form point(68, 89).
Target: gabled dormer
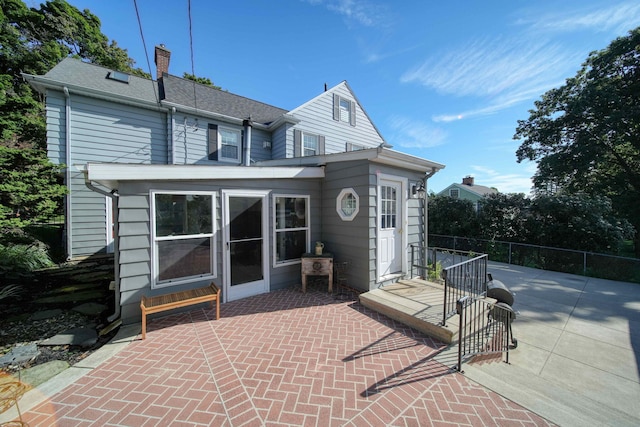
point(332, 122)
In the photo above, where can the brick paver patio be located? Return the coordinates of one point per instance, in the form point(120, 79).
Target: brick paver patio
point(278, 359)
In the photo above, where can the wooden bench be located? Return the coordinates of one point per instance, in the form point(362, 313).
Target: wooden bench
point(159, 303)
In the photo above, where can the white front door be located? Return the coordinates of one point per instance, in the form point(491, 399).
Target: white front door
point(390, 221)
point(245, 222)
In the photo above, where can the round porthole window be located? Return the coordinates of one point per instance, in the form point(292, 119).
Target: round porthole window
point(347, 204)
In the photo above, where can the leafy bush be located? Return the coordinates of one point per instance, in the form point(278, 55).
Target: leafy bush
point(10, 291)
point(435, 272)
point(22, 253)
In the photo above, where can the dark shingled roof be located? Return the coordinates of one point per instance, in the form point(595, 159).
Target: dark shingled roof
point(176, 90)
point(479, 189)
point(74, 72)
point(181, 92)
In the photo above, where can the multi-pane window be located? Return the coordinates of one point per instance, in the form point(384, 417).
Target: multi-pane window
point(183, 229)
point(454, 192)
point(388, 209)
point(347, 204)
point(345, 110)
point(229, 144)
point(291, 216)
point(309, 144)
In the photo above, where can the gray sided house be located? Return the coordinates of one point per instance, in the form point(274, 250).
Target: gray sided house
point(468, 190)
point(187, 184)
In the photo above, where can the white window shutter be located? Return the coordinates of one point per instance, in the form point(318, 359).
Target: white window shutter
point(352, 113)
point(297, 143)
point(336, 106)
point(213, 142)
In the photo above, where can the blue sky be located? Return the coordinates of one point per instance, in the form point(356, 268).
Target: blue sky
point(442, 80)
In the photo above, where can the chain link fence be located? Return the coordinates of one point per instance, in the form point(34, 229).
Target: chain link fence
point(546, 258)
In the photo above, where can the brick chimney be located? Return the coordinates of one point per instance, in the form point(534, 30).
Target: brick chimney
point(467, 180)
point(162, 57)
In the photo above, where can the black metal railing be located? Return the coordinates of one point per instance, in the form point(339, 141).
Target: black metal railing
point(466, 278)
point(484, 329)
point(428, 263)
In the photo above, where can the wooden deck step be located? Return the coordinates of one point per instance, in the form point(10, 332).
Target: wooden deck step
point(415, 303)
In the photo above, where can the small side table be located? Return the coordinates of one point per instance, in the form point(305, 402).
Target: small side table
point(317, 265)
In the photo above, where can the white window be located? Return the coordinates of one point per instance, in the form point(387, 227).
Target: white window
point(309, 144)
point(292, 232)
point(388, 201)
point(183, 226)
point(230, 142)
point(347, 204)
point(345, 110)
point(454, 192)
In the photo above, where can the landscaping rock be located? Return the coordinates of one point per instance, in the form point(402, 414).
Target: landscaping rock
point(83, 337)
point(19, 354)
point(90, 309)
point(91, 295)
point(41, 373)
point(46, 314)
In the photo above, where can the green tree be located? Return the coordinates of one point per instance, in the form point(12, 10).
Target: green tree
point(585, 134)
point(28, 190)
point(33, 41)
point(505, 217)
point(580, 222)
point(202, 80)
point(451, 217)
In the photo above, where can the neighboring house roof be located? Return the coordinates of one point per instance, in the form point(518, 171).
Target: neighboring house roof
point(479, 190)
point(90, 79)
point(188, 93)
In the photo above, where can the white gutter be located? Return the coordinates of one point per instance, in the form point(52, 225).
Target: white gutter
point(67, 172)
point(109, 174)
point(376, 155)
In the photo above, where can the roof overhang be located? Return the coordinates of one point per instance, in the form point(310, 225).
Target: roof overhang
point(109, 174)
point(202, 113)
point(378, 155)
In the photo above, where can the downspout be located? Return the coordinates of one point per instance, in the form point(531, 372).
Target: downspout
point(67, 173)
point(247, 141)
point(116, 253)
point(171, 125)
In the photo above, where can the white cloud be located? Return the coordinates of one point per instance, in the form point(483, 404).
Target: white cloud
point(414, 134)
point(364, 12)
point(505, 182)
point(507, 100)
point(619, 18)
point(491, 68)
point(504, 72)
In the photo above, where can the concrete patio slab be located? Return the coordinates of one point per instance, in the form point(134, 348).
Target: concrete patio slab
point(618, 394)
point(582, 344)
